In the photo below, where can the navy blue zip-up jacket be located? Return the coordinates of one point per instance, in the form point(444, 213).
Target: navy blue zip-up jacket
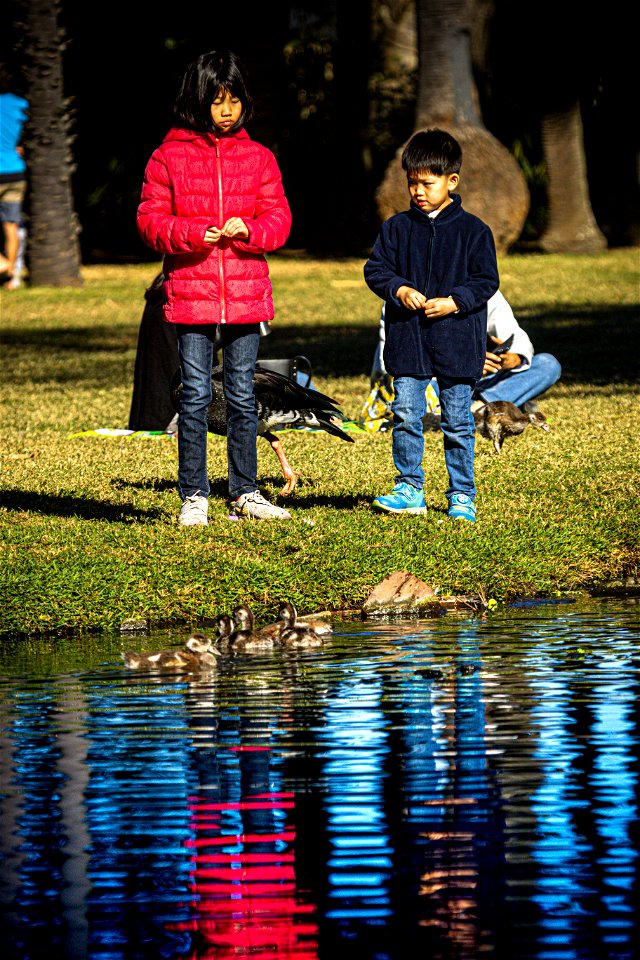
point(451, 255)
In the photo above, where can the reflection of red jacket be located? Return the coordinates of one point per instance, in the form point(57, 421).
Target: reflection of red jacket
point(196, 180)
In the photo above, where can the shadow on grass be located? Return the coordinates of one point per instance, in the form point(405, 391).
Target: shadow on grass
point(302, 498)
point(591, 343)
point(160, 486)
point(74, 339)
point(82, 508)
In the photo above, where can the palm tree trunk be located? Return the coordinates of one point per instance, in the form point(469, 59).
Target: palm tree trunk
point(571, 225)
point(53, 252)
point(492, 185)
point(446, 91)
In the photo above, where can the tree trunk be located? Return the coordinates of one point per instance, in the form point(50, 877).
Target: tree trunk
point(53, 252)
point(492, 185)
point(394, 29)
point(571, 226)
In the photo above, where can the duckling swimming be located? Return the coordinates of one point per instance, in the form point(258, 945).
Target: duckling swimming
point(197, 654)
point(289, 614)
point(224, 628)
point(273, 631)
point(245, 636)
point(299, 635)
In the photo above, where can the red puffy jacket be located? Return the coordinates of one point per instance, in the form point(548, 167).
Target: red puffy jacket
point(196, 180)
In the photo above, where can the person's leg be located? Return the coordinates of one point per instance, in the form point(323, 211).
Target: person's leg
point(11, 198)
point(195, 350)
point(11, 242)
point(458, 428)
point(407, 447)
point(518, 387)
point(239, 354)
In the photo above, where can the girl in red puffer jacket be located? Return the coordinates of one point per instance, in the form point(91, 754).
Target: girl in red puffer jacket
point(213, 203)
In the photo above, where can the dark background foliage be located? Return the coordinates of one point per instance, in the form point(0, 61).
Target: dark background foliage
point(323, 108)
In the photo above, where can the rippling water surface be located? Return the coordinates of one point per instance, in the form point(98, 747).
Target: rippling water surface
point(450, 788)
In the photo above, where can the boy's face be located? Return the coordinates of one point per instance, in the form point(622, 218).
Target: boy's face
point(430, 191)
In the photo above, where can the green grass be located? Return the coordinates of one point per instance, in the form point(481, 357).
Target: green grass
point(89, 534)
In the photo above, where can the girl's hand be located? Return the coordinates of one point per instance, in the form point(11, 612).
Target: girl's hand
point(212, 235)
point(236, 227)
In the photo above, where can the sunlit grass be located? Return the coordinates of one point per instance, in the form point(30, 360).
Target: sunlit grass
point(89, 528)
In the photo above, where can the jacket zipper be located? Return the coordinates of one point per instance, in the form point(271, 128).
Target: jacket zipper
point(223, 306)
point(432, 241)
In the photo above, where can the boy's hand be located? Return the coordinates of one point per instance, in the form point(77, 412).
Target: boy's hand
point(212, 235)
point(440, 307)
point(410, 298)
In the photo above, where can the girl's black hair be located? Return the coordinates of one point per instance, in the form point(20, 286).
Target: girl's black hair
point(433, 150)
point(204, 77)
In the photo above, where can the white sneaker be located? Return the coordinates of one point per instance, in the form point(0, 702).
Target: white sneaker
point(194, 511)
point(253, 506)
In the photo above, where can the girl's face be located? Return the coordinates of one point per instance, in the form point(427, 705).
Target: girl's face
point(226, 110)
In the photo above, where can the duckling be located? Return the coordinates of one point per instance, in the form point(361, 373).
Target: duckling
point(245, 636)
point(197, 654)
point(300, 637)
point(224, 629)
point(273, 631)
point(201, 646)
point(501, 419)
point(296, 634)
point(288, 612)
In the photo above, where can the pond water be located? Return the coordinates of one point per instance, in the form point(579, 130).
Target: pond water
point(347, 801)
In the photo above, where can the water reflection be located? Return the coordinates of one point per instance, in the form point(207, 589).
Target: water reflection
point(464, 786)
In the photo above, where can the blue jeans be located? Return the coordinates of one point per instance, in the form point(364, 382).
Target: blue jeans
point(239, 353)
point(457, 424)
point(520, 386)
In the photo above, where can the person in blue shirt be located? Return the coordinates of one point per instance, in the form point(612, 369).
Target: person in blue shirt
point(435, 267)
point(13, 176)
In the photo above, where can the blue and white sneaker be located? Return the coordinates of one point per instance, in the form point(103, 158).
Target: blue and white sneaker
point(404, 498)
point(461, 507)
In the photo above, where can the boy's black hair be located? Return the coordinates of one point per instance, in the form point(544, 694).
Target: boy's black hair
point(433, 150)
point(203, 79)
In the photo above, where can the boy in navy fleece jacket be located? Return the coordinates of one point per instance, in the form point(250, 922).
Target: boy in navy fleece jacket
point(435, 267)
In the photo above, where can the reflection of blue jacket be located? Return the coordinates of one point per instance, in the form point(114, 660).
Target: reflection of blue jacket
point(13, 114)
point(451, 255)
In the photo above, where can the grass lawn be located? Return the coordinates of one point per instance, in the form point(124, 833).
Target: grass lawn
point(88, 526)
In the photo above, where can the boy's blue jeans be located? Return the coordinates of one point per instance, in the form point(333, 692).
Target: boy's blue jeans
point(457, 424)
point(239, 351)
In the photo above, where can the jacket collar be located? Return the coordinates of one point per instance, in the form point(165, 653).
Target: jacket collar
point(449, 213)
point(193, 136)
